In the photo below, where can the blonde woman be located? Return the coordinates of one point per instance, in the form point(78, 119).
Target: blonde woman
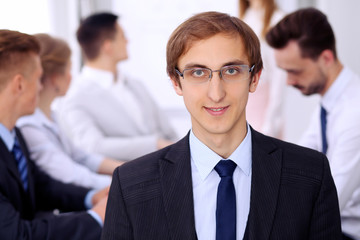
point(51, 150)
point(264, 111)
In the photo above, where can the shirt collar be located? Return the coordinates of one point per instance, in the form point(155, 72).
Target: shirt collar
point(335, 91)
point(7, 136)
point(103, 78)
point(206, 159)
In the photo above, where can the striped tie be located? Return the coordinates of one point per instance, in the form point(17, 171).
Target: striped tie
point(21, 163)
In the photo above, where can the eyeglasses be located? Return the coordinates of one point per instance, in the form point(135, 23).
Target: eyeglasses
point(229, 73)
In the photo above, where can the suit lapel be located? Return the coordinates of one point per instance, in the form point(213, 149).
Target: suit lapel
point(29, 168)
point(9, 162)
point(176, 181)
point(266, 172)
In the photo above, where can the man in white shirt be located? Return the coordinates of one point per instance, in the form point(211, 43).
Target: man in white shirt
point(106, 112)
point(305, 48)
point(224, 180)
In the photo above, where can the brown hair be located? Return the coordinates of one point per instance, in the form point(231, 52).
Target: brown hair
point(54, 54)
point(269, 7)
point(205, 25)
point(16, 49)
point(94, 30)
point(309, 27)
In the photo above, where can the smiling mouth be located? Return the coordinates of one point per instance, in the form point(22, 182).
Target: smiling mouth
point(217, 109)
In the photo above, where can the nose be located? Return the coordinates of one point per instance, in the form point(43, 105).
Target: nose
point(216, 91)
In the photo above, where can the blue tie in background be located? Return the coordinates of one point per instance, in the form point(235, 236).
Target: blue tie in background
point(323, 129)
point(21, 163)
point(226, 202)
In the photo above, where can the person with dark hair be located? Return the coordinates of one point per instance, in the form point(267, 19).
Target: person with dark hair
point(224, 180)
point(49, 147)
point(27, 195)
point(305, 48)
point(105, 111)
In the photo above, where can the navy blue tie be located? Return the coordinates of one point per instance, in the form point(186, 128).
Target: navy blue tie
point(21, 163)
point(226, 202)
point(323, 129)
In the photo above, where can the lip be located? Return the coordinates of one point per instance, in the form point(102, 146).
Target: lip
point(216, 111)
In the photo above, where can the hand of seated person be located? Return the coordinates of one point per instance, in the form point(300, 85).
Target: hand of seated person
point(99, 195)
point(100, 207)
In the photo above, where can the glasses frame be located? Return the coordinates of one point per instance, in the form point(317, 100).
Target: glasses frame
point(181, 74)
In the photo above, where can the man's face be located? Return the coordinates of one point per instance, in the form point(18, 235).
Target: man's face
point(216, 107)
point(31, 87)
point(63, 81)
point(304, 74)
point(119, 45)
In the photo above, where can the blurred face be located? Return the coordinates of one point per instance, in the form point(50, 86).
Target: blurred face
point(304, 74)
point(31, 87)
point(62, 82)
point(216, 107)
point(119, 45)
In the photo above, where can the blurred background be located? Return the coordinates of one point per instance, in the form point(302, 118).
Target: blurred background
point(148, 25)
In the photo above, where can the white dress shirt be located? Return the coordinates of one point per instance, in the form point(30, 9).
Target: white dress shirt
point(205, 184)
point(341, 102)
point(51, 151)
point(117, 119)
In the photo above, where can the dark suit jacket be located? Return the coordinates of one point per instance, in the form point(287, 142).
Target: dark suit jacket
point(293, 195)
point(18, 208)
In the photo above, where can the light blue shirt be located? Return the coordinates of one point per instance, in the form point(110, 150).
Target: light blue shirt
point(8, 138)
point(206, 180)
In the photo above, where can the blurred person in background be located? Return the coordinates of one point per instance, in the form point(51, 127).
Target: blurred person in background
point(51, 150)
point(26, 192)
point(105, 111)
point(305, 48)
point(264, 111)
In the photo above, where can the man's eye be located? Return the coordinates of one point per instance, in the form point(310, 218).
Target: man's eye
point(232, 71)
point(198, 73)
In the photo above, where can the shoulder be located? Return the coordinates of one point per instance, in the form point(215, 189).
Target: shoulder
point(149, 166)
point(32, 120)
point(292, 156)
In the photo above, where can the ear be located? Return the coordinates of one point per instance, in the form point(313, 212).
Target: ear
point(177, 87)
point(254, 82)
point(327, 57)
point(107, 47)
point(17, 84)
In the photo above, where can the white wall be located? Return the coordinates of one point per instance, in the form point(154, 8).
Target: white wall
point(148, 24)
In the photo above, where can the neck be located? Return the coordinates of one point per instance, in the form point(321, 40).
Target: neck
point(103, 63)
point(45, 101)
point(333, 73)
point(256, 4)
point(223, 144)
point(8, 116)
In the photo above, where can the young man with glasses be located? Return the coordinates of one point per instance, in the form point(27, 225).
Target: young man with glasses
point(223, 180)
point(305, 48)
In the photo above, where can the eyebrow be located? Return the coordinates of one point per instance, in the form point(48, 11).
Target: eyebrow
point(197, 65)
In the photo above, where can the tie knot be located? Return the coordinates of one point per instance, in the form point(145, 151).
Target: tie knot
point(225, 168)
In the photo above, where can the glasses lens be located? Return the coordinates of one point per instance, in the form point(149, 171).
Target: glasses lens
point(235, 72)
point(197, 75)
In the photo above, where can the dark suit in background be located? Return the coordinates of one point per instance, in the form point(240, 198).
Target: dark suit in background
point(18, 208)
point(293, 195)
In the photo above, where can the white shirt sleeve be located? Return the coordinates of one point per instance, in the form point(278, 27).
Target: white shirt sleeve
point(52, 159)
